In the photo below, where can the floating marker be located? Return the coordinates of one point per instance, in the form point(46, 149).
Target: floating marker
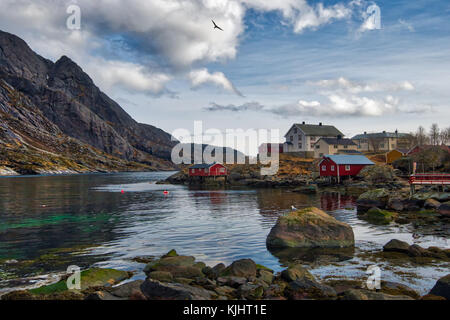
point(166, 192)
point(122, 191)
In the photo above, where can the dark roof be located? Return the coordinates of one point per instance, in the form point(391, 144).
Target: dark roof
point(339, 142)
point(380, 135)
point(202, 166)
point(318, 130)
point(349, 151)
point(349, 159)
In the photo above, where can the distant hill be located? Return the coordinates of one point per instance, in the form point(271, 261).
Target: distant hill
point(225, 150)
point(54, 118)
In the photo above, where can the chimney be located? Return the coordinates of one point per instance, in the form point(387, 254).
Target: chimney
point(303, 122)
point(384, 131)
point(320, 123)
point(365, 132)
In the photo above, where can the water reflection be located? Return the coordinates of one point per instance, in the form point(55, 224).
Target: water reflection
point(41, 215)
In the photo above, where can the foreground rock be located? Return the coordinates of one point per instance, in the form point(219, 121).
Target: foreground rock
point(397, 246)
point(242, 279)
point(310, 228)
point(442, 288)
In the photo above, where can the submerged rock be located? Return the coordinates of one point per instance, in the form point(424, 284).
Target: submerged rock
point(442, 287)
point(310, 228)
point(374, 198)
point(396, 246)
point(378, 216)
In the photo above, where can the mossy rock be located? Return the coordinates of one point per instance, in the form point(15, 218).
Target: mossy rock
point(261, 267)
point(163, 276)
point(94, 277)
point(378, 216)
point(310, 228)
point(171, 253)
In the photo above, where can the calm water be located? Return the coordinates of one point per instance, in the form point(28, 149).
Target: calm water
point(87, 220)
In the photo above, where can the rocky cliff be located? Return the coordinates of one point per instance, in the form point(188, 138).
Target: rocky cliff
point(53, 118)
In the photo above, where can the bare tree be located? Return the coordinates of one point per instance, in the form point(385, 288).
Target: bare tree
point(434, 134)
point(375, 143)
point(445, 136)
point(421, 136)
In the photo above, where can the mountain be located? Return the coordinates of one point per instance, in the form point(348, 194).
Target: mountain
point(53, 118)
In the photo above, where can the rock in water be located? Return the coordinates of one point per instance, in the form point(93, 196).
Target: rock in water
point(310, 228)
point(442, 288)
point(444, 209)
point(396, 246)
point(374, 198)
point(378, 216)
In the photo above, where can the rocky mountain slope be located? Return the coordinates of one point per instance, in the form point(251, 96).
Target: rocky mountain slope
point(53, 118)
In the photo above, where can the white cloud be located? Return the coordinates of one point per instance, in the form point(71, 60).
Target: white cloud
point(167, 38)
point(203, 76)
point(355, 87)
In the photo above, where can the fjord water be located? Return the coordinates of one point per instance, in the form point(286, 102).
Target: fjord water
point(108, 219)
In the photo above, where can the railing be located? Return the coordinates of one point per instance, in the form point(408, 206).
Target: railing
point(430, 179)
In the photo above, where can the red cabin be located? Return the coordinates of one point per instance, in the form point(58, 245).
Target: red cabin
point(343, 165)
point(208, 170)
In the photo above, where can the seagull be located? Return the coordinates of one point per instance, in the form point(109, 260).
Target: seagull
point(293, 208)
point(216, 26)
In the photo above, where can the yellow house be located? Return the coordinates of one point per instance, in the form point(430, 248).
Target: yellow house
point(332, 146)
point(394, 155)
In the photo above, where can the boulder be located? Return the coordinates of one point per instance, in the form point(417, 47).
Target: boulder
point(431, 204)
point(442, 287)
point(251, 291)
point(242, 268)
point(378, 216)
point(231, 281)
point(396, 205)
point(296, 272)
point(309, 289)
point(310, 228)
point(396, 246)
point(265, 276)
point(155, 290)
point(127, 290)
point(373, 198)
point(162, 276)
point(398, 289)
point(444, 209)
point(412, 205)
point(377, 174)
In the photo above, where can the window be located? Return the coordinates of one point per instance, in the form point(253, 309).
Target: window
point(300, 145)
point(317, 146)
point(312, 138)
point(295, 130)
point(312, 145)
point(336, 146)
point(324, 168)
point(332, 168)
point(222, 170)
point(347, 168)
point(292, 138)
point(345, 147)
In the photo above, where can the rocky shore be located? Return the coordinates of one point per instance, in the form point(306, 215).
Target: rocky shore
point(177, 277)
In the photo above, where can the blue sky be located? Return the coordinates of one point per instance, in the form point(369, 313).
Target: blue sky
point(290, 61)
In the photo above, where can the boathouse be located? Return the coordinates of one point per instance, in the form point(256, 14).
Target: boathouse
point(342, 165)
point(208, 170)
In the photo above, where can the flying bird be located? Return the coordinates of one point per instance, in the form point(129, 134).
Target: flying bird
point(216, 26)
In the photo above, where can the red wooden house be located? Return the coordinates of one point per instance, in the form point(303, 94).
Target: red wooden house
point(208, 170)
point(342, 165)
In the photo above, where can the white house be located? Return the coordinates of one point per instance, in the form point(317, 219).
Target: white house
point(302, 137)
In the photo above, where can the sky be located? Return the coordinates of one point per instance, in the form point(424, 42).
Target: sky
point(355, 64)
